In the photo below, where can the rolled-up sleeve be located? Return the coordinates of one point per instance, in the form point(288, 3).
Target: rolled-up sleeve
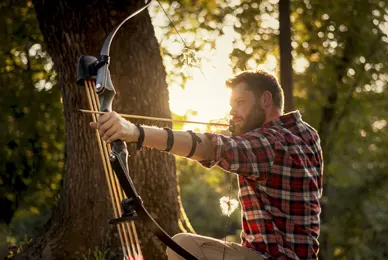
point(250, 155)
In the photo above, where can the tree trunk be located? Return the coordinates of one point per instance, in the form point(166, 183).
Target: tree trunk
point(80, 221)
point(285, 54)
point(325, 129)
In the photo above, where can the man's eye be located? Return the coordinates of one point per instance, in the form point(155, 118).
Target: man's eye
point(239, 102)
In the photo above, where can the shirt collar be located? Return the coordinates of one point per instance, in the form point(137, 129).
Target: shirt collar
point(287, 119)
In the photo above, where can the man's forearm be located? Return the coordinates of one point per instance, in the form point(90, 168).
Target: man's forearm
point(111, 126)
point(157, 138)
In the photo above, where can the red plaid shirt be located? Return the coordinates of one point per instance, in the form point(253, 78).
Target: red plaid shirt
point(280, 180)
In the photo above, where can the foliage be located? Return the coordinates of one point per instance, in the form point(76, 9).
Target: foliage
point(339, 50)
point(201, 190)
point(95, 254)
point(32, 136)
point(346, 77)
point(191, 27)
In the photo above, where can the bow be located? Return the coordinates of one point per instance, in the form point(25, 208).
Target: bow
point(93, 73)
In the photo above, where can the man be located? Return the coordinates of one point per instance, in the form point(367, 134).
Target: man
point(277, 157)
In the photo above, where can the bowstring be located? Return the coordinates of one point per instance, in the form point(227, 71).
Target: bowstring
point(229, 206)
point(189, 57)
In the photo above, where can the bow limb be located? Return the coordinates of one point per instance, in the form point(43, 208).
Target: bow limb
point(90, 67)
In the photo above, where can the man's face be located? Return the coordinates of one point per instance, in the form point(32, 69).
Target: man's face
point(246, 112)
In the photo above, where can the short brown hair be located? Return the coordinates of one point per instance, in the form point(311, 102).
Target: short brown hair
point(259, 81)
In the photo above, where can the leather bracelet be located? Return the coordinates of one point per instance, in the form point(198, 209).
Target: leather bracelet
point(140, 140)
point(195, 140)
point(170, 139)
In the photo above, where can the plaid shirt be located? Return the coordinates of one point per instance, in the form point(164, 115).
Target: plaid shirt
point(280, 180)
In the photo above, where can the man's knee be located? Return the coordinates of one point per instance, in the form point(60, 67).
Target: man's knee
point(184, 240)
point(181, 238)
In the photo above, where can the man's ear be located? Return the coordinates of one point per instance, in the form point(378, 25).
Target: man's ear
point(266, 99)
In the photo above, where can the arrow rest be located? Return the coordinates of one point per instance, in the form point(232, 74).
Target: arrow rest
point(87, 67)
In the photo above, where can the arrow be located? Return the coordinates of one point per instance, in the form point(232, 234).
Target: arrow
point(154, 118)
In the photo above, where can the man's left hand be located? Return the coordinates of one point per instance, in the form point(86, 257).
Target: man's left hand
point(112, 126)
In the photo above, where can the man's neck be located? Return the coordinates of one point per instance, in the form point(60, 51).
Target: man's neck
point(273, 114)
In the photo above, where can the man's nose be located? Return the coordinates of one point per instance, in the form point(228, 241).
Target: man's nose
point(232, 112)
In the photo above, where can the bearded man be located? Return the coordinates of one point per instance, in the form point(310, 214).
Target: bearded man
point(278, 160)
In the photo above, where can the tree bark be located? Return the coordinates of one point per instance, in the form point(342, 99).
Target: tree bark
point(285, 54)
point(325, 129)
point(80, 221)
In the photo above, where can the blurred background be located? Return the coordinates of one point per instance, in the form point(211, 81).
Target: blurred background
point(338, 73)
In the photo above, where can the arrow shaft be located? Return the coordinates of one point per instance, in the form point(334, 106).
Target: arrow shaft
point(155, 118)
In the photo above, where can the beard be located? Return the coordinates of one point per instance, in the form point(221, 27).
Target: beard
point(254, 120)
